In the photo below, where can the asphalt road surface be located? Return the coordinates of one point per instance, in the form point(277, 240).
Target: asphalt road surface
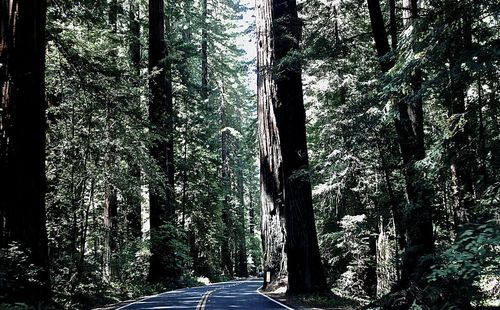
point(241, 294)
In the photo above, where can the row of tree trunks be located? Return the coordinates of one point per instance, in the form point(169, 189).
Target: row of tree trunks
point(22, 135)
point(286, 190)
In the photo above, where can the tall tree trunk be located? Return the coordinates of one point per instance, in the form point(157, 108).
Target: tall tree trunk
point(271, 170)
point(110, 205)
point(397, 214)
point(133, 199)
point(242, 247)
point(22, 134)
point(461, 154)
point(185, 76)
point(286, 188)
point(227, 262)
point(417, 222)
point(393, 30)
point(204, 52)
point(160, 108)
point(380, 35)
point(110, 211)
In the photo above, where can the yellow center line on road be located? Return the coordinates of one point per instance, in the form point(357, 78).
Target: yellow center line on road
point(203, 301)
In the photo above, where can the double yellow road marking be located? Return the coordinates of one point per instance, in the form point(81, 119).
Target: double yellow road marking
point(203, 301)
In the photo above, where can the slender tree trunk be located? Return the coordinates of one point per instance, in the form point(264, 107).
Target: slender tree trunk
point(160, 108)
point(135, 32)
point(110, 205)
point(251, 214)
point(395, 208)
point(393, 24)
point(133, 199)
point(242, 247)
point(22, 135)
point(286, 186)
point(227, 262)
point(110, 211)
point(204, 52)
point(185, 76)
point(380, 35)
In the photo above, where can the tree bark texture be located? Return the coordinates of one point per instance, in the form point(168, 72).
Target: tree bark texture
point(271, 170)
point(22, 135)
point(160, 115)
point(286, 190)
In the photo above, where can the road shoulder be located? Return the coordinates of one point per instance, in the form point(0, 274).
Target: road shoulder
point(312, 302)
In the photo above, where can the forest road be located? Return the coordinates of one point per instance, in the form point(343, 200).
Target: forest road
point(241, 294)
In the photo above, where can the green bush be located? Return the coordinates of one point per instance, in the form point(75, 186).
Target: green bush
point(475, 254)
point(16, 273)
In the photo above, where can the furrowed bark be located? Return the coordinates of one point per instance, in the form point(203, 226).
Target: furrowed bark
point(22, 136)
point(285, 175)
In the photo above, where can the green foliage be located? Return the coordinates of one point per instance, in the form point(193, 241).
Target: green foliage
point(357, 170)
point(472, 257)
point(17, 306)
point(16, 273)
point(98, 149)
point(328, 301)
point(352, 250)
point(176, 258)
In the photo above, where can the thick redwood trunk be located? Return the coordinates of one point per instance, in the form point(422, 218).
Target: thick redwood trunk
point(283, 138)
point(271, 171)
point(160, 115)
point(22, 134)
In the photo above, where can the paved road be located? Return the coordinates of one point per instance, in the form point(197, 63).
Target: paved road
point(227, 295)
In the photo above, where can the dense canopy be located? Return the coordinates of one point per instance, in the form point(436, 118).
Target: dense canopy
point(348, 151)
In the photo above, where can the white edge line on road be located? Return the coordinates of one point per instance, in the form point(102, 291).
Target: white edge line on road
point(153, 296)
point(136, 302)
point(272, 299)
